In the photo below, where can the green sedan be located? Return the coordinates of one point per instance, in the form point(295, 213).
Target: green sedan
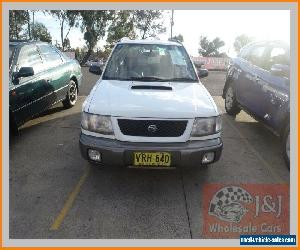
point(40, 76)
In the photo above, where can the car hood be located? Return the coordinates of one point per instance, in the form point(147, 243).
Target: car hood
point(177, 100)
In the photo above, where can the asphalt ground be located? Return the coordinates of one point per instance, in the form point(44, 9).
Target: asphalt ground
point(54, 193)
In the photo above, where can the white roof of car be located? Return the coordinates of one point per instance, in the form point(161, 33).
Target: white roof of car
point(149, 41)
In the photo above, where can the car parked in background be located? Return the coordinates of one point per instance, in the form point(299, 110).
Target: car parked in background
point(96, 69)
point(150, 110)
point(39, 76)
point(258, 81)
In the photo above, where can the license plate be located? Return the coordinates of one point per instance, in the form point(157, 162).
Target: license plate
point(152, 159)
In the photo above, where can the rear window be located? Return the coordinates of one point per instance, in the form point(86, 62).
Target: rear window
point(51, 57)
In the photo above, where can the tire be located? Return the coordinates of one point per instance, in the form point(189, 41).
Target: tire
point(231, 104)
point(72, 95)
point(285, 146)
point(13, 128)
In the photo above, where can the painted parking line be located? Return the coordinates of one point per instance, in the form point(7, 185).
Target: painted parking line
point(69, 202)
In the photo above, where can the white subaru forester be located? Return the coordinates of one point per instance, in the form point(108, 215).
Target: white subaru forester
point(149, 110)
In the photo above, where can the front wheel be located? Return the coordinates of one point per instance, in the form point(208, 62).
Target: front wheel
point(72, 95)
point(231, 104)
point(285, 145)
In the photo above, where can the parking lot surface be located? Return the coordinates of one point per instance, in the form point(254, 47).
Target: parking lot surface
point(54, 193)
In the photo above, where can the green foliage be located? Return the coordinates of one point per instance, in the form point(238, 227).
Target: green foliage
point(67, 20)
point(121, 26)
point(149, 22)
point(94, 23)
point(211, 48)
point(17, 18)
point(40, 32)
point(241, 41)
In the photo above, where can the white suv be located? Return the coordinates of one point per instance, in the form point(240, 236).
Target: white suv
point(149, 109)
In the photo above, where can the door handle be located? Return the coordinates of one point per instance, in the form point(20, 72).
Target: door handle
point(257, 79)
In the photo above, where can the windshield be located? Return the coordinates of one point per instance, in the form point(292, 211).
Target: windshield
point(150, 62)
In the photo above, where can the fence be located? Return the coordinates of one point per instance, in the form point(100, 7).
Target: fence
point(212, 63)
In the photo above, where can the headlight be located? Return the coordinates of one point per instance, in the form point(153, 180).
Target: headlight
point(206, 126)
point(97, 123)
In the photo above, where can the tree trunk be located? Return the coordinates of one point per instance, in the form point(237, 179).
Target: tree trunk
point(16, 27)
point(86, 57)
point(29, 31)
point(144, 33)
point(33, 34)
point(62, 34)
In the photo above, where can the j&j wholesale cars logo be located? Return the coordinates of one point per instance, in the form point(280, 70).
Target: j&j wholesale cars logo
point(232, 210)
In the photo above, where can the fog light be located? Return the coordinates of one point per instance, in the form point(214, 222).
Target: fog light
point(94, 155)
point(208, 157)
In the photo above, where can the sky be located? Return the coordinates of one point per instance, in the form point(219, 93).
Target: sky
point(225, 24)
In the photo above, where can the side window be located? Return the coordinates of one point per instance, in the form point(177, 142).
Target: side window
point(30, 57)
point(50, 56)
point(279, 55)
point(244, 53)
point(257, 56)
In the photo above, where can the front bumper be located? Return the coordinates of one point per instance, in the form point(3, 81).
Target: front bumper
point(183, 154)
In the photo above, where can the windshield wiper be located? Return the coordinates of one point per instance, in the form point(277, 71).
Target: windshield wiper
point(147, 79)
point(181, 79)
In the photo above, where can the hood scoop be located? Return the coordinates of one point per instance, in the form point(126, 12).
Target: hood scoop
point(153, 87)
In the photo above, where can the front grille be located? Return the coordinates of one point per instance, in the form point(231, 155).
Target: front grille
point(152, 128)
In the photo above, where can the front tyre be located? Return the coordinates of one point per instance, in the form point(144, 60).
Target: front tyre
point(231, 104)
point(72, 95)
point(285, 146)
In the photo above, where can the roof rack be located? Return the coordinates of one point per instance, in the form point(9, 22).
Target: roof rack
point(20, 40)
point(124, 39)
point(174, 40)
point(152, 38)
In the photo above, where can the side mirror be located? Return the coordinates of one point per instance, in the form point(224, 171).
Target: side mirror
point(95, 69)
point(202, 73)
point(280, 70)
point(24, 72)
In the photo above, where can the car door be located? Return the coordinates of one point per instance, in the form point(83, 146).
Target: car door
point(242, 79)
point(27, 93)
point(252, 97)
point(275, 87)
point(57, 72)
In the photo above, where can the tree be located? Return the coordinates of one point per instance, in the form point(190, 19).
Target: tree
point(94, 24)
point(148, 22)
point(28, 25)
point(179, 38)
point(66, 45)
point(67, 19)
point(17, 18)
point(40, 32)
point(121, 26)
point(241, 41)
point(211, 48)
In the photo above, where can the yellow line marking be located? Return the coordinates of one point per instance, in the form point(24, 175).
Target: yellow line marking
point(69, 203)
point(275, 175)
